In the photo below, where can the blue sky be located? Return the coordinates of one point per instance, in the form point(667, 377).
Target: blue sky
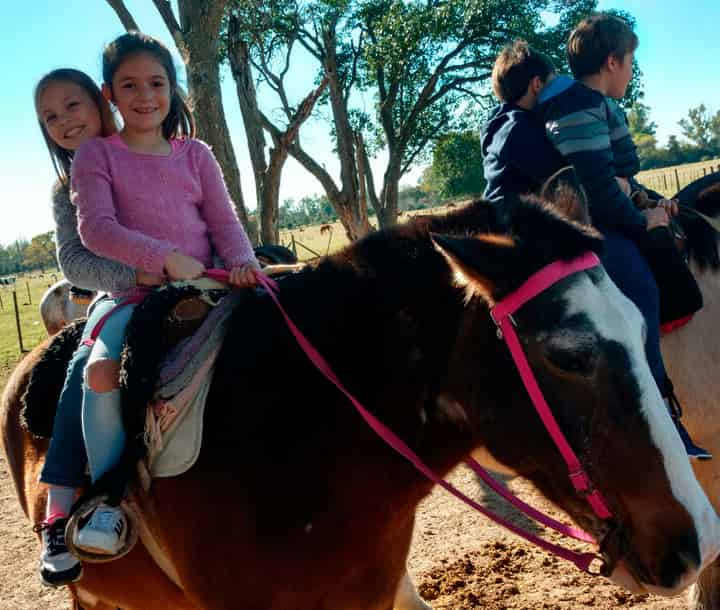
point(679, 55)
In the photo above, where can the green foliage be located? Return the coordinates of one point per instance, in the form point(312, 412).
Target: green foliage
point(313, 209)
point(457, 165)
point(23, 255)
point(639, 121)
point(701, 128)
point(40, 252)
point(429, 63)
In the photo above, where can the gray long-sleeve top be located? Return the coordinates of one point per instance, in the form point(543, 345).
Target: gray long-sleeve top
point(81, 267)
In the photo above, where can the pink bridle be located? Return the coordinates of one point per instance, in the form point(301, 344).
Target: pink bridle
point(501, 314)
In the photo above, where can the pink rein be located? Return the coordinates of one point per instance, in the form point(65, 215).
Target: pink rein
point(501, 314)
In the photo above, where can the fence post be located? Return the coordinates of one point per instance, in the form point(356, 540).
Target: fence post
point(677, 182)
point(28, 289)
point(292, 243)
point(17, 322)
point(1, 303)
point(664, 177)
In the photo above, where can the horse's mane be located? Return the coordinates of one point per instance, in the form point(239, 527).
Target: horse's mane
point(702, 239)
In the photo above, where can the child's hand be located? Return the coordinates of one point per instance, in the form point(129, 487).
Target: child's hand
point(145, 278)
point(671, 206)
point(624, 185)
point(178, 266)
point(243, 276)
point(656, 217)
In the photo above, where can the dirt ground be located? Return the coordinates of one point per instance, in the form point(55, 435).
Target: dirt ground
point(459, 560)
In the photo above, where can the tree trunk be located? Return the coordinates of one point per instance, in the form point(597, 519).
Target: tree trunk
point(239, 57)
point(347, 205)
point(269, 211)
point(201, 32)
point(352, 221)
point(360, 160)
point(387, 215)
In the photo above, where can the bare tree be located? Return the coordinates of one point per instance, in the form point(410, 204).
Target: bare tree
point(267, 171)
point(269, 31)
point(197, 37)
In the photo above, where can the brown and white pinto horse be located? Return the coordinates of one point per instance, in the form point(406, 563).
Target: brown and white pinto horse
point(294, 504)
point(692, 357)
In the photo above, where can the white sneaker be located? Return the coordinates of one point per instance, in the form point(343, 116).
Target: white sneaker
point(104, 533)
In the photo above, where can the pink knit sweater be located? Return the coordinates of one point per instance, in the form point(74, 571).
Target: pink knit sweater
point(136, 208)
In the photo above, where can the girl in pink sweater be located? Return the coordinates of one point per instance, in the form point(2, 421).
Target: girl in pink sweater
point(153, 198)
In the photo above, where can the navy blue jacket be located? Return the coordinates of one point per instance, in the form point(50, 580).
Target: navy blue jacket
point(517, 155)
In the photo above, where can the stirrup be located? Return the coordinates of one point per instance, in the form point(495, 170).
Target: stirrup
point(80, 517)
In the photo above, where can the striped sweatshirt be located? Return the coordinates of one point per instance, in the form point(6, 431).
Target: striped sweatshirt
point(591, 133)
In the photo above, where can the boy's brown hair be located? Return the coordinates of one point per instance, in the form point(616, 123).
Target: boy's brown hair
point(515, 67)
point(595, 39)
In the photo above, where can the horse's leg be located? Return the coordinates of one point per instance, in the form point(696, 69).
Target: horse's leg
point(407, 597)
point(705, 594)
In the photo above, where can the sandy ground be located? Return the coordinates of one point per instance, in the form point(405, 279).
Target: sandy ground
point(459, 560)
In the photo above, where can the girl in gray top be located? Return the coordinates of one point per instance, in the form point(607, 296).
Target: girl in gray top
point(71, 109)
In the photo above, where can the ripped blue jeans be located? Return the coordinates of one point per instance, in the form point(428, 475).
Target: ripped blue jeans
point(102, 425)
point(66, 458)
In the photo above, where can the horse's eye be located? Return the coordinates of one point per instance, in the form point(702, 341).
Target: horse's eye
point(580, 360)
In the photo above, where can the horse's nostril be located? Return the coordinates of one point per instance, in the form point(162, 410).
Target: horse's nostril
point(684, 556)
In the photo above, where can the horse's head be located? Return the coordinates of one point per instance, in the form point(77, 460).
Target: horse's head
point(584, 341)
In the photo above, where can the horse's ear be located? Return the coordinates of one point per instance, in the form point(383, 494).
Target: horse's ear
point(564, 192)
point(477, 262)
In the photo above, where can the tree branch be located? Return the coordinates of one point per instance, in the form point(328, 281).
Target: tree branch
point(430, 136)
point(353, 73)
point(370, 181)
point(315, 169)
point(456, 84)
point(166, 12)
point(123, 14)
point(303, 112)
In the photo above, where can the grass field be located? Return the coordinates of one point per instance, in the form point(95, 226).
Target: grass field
point(312, 241)
point(31, 327)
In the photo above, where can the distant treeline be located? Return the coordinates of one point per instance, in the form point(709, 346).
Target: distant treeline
point(23, 255)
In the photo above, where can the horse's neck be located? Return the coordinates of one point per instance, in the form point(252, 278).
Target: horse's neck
point(390, 344)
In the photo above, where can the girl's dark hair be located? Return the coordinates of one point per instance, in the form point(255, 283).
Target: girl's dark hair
point(179, 122)
point(61, 157)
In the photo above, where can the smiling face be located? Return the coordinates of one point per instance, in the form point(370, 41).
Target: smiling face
point(141, 92)
point(68, 113)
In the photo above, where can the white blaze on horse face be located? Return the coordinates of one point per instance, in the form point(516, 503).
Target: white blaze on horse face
point(616, 318)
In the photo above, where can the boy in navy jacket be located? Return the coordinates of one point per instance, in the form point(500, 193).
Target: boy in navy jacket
point(517, 155)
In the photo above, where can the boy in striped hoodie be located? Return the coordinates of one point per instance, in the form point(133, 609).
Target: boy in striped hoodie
point(590, 131)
